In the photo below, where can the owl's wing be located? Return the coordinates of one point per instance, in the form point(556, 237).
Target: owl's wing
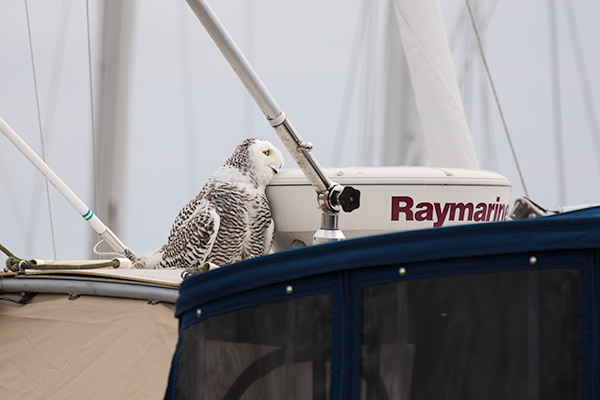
point(186, 213)
point(192, 240)
point(269, 233)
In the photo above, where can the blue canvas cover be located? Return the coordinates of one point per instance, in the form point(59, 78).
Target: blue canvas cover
point(499, 310)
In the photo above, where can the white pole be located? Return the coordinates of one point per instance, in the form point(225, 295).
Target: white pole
point(299, 150)
point(111, 239)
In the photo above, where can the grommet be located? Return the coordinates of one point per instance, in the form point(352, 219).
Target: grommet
point(532, 260)
point(289, 289)
point(402, 271)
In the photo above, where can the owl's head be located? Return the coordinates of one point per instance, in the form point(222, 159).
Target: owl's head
point(265, 160)
point(258, 159)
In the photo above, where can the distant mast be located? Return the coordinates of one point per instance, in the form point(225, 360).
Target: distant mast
point(111, 118)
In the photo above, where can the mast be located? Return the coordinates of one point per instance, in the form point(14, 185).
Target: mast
point(111, 124)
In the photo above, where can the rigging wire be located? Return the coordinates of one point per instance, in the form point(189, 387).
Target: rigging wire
point(556, 103)
point(249, 12)
point(472, 49)
point(489, 76)
point(470, 80)
point(348, 93)
point(13, 202)
point(366, 150)
point(584, 81)
point(39, 115)
point(93, 121)
point(466, 80)
point(51, 103)
point(488, 127)
point(456, 32)
point(188, 101)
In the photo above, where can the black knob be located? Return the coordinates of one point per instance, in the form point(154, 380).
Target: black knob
point(349, 199)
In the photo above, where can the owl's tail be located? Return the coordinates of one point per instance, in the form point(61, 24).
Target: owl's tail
point(150, 261)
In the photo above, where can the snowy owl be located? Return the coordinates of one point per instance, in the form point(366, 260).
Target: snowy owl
point(230, 219)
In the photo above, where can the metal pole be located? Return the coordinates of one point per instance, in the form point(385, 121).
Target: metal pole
point(299, 150)
point(109, 237)
point(331, 196)
point(89, 288)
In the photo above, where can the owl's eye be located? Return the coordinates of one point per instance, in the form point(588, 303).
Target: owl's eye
point(266, 152)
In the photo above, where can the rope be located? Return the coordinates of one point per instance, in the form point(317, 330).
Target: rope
point(205, 267)
point(39, 115)
point(489, 76)
point(17, 264)
point(6, 251)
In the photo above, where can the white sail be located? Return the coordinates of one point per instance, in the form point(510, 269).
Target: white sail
point(446, 137)
point(403, 144)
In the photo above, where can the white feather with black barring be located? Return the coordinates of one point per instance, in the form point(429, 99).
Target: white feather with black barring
point(230, 219)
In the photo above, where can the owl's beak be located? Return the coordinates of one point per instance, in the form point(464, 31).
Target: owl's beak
point(276, 169)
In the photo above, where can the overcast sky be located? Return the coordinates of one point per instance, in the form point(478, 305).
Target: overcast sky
point(302, 51)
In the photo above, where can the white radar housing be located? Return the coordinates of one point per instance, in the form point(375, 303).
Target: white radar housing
point(392, 199)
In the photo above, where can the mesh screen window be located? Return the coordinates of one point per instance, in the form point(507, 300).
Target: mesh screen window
point(278, 350)
point(509, 335)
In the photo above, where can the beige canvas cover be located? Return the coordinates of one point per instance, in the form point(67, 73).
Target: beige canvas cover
point(89, 348)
